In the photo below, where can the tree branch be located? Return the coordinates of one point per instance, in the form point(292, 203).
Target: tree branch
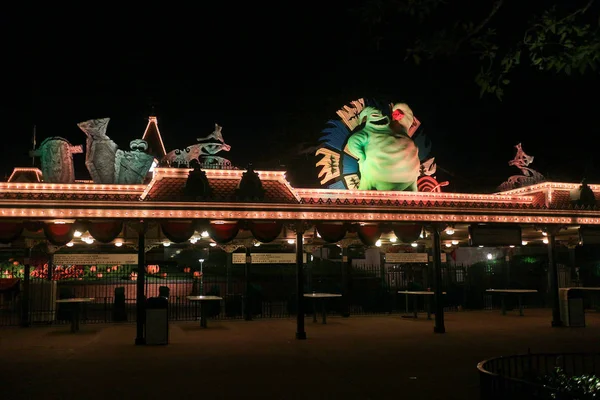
point(483, 23)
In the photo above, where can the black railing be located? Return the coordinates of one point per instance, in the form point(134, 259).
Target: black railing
point(526, 376)
point(267, 291)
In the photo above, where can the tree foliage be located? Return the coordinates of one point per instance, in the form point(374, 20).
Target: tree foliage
point(555, 36)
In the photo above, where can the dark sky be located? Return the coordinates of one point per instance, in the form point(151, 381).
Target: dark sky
point(272, 76)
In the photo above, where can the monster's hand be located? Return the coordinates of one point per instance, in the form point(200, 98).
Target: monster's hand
point(356, 145)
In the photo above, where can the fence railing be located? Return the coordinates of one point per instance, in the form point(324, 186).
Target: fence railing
point(266, 292)
point(525, 376)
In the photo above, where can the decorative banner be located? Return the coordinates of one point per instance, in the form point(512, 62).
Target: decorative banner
point(223, 233)
point(407, 233)
point(401, 258)
point(267, 258)
point(265, 231)
point(330, 232)
point(369, 234)
point(95, 259)
point(10, 231)
point(105, 231)
point(178, 231)
point(59, 234)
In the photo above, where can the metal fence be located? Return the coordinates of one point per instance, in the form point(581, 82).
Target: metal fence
point(523, 376)
point(264, 291)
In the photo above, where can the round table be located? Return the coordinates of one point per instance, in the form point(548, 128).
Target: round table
point(322, 297)
point(75, 315)
point(201, 299)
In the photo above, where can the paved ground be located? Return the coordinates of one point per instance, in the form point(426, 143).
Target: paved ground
point(384, 357)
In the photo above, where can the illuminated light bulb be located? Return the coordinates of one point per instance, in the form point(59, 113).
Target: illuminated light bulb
point(455, 242)
point(378, 243)
point(89, 241)
point(414, 244)
point(480, 245)
point(77, 234)
point(118, 244)
point(545, 241)
point(393, 239)
point(166, 244)
point(193, 240)
point(524, 243)
point(204, 234)
point(256, 244)
point(511, 246)
point(212, 244)
point(544, 233)
point(291, 241)
point(70, 244)
point(448, 245)
point(489, 256)
point(450, 231)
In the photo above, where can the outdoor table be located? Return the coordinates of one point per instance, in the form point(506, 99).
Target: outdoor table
point(321, 296)
point(201, 299)
point(417, 293)
point(518, 292)
point(75, 315)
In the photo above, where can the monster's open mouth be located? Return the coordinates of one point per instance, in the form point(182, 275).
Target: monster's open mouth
point(381, 121)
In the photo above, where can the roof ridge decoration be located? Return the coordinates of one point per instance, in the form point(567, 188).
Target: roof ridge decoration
point(399, 161)
point(152, 134)
point(250, 186)
point(197, 185)
point(528, 175)
point(202, 152)
point(108, 164)
point(56, 154)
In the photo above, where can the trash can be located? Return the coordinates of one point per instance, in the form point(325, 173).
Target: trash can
point(157, 321)
point(572, 312)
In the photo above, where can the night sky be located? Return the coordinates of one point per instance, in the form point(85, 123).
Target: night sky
point(272, 77)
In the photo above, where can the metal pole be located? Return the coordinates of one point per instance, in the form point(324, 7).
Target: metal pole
point(553, 271)
point(140, 286)
point(437, 282)
point(300, 333)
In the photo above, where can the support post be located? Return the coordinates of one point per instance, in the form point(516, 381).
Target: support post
point(437, 280)
point(553, 272)
point(140, 285)
point(300, 333)
point(346, 268)
point(25, 322)
point(249, 300)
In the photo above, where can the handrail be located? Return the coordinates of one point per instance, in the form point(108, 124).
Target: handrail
point(507, 375)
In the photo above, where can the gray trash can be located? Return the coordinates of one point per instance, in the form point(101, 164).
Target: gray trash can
point(572, 312)
point(157, 321)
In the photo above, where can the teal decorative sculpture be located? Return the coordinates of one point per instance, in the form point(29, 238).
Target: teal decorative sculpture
point(387, 156)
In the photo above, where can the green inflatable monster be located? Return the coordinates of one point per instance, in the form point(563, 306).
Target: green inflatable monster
point(387, 156)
